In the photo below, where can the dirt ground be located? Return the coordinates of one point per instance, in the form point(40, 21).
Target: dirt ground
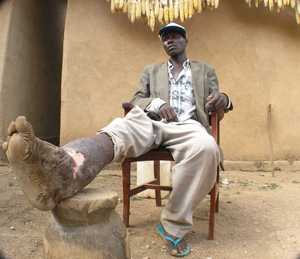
point(259, 218)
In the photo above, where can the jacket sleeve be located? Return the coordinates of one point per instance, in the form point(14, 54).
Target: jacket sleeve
point(213, 85)
point(212, 81)
point(142, 96)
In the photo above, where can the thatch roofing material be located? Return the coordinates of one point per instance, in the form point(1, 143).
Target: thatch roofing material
point(165, 11)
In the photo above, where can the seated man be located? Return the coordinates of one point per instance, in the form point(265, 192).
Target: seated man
point(177, 96)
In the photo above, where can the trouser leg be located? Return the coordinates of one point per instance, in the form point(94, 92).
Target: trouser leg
point(195, 152)
point(197, 156)
point(132, 135)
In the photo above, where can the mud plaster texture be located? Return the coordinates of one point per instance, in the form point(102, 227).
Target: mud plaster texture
point(30, 64)
point(258, 219)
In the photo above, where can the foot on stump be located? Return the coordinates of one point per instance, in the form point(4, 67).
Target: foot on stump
point(44, 171)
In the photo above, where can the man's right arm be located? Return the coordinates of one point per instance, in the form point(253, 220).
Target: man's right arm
point(142, 96)
point(155, 107)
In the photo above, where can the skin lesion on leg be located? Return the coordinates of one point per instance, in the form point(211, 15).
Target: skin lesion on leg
point(79, 160)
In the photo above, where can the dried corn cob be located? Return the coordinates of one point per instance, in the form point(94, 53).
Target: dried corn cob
point(166, 14)
point(132, 12)
point(217, 3)
point(171, 10)
point(156, 8)
point(186, 9)
point(112, 6)
point(138, 10)
point(176, 9)
point(147, 8)
point(199, 9)
point(161, 14)
point(168, 10)
point(271, 4)
point(191, 8)
point(152, 20)
point(181, 10)
point(125, 7)
point(143, 7)
point(195, 4)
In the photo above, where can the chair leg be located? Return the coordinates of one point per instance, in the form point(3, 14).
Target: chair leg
point(126, 192)
point(218, 194)
point(157, 177)
point(212, 210)
point(217, 203)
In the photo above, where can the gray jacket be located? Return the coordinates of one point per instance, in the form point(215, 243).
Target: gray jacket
point(154, 83)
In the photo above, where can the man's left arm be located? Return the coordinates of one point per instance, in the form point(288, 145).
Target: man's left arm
point(216, 101)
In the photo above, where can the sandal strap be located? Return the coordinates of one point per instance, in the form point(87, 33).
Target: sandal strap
point(174, 242)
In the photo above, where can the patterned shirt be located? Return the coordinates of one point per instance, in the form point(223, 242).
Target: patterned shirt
point(181, 93)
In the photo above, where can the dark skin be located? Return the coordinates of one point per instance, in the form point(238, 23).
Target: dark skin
point(174, 45)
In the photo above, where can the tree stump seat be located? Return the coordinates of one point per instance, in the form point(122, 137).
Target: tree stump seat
point(87, 226)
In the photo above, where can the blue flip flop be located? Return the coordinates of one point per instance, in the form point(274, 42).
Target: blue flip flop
point(174, 242)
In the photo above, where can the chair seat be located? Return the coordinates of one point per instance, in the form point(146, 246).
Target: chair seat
point(154, 154)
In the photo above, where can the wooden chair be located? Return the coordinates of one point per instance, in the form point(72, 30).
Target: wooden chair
point(158, 155)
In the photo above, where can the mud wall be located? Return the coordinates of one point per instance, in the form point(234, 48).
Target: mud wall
point(32, 62)
point(5, 14)
point(255, 53)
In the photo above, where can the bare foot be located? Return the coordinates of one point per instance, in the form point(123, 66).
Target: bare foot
point(33, 161)
point(48, 174)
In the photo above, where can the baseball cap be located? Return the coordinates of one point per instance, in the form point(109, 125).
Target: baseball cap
point(172, 27)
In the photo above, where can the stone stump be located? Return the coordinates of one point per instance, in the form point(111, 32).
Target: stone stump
point(87, 226)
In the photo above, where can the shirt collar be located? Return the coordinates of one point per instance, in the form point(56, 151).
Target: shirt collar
point(186, 64)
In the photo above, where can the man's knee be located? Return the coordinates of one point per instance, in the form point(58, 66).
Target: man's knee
point(206, 146)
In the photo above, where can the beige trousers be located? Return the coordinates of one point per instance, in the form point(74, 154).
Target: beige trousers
point(196, 156)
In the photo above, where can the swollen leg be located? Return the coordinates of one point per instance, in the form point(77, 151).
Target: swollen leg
point(47, 174)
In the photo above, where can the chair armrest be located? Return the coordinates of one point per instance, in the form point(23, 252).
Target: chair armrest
point(215, 126)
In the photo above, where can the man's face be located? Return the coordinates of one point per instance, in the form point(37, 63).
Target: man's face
point(174, 43)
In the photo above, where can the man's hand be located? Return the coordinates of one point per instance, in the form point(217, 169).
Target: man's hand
point(216, 101)
point(153, 116)
point(167, 113)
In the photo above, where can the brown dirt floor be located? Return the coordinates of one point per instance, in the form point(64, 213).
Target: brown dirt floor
point(259, 218)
